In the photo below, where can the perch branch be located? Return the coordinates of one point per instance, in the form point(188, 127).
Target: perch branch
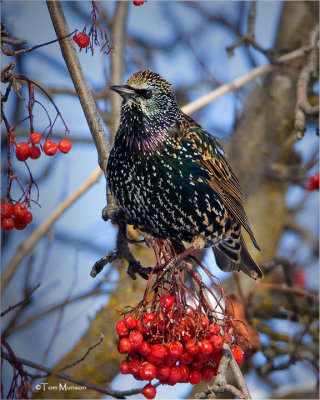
point(82, 88)
point(309, 70)
point(220, 384)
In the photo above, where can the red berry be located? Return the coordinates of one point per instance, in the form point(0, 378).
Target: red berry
point(175, 349)
point(65, 146)
point(149, 391)
point(148, 371)
point(50, 147)
point(138, 2)
point(214, 329)
point(130, 321)
point(20, 223)
point(7, 223)
point(313, 182)
point(170, 360)
point(124, 346)
point(159, 351)
point(185, 372)
point(121, 329)
point(135, 339)
point(207, 373)
point(124, 367)
point(6, 209)
point(187, 335)
point(192, 346)
point(175, 375)
point(204, 322)
point(237, 354)
point(206, 347)
point(28, 217)
point(82, 40)
point(202, 358)
point(163, 372)
point(185, 358)
point(196, 365)
point(194, 377)
point(35, 138)
point(22, 151)
point(217, 343)
point(134, 366)
point(145, 349)
point(19, 210)
point(149, 317)
point(154, 360)
point(167, 301)
point(299, 278)
point(34, 152)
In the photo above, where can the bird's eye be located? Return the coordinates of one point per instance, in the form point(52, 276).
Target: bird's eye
point(146, 93)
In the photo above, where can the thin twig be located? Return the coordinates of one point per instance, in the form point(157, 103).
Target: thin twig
point(85, 355)
point(22, 302)
point(8, 52)
point(243, 80)
point(114, 393)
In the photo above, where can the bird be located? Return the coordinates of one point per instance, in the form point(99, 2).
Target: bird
point(171, 178)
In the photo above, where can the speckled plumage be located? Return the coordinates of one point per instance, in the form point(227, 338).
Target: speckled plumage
point(171, 178)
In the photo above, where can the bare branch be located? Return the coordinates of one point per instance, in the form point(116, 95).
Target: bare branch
point(89, 385)
point(85, 355)
point(22, 302)
point(220, 384)
point(242, 80)
point(8, 52)
point(84, 93)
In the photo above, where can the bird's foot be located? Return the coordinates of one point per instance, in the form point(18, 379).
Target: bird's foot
point(100, 264)
point(135, 267)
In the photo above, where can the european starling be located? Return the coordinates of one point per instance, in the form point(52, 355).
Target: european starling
point(171, 178)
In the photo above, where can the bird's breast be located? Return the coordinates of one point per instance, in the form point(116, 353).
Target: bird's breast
point(163, 192)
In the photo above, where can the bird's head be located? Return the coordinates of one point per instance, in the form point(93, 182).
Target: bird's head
point(149, 95)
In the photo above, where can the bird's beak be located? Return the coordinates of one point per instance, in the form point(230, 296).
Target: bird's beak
point(125, 91)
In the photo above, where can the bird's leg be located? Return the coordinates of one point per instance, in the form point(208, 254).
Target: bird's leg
point(118, 218)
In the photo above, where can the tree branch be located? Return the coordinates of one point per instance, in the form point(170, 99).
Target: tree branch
point(84, 93)
point(80, 382)
point(309, 70)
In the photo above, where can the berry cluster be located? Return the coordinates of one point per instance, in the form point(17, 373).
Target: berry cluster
point(96, 36)
point(14, 216)
point(173, 345)
point(26, 150)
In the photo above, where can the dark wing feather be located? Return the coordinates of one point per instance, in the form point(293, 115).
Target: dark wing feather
point(223, 180)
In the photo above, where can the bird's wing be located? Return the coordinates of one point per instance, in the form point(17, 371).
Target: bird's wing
point(209, 155)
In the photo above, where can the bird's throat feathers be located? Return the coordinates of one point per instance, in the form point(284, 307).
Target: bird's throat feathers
point(140, 134)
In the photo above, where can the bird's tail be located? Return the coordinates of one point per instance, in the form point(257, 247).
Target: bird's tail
point(234, 256)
